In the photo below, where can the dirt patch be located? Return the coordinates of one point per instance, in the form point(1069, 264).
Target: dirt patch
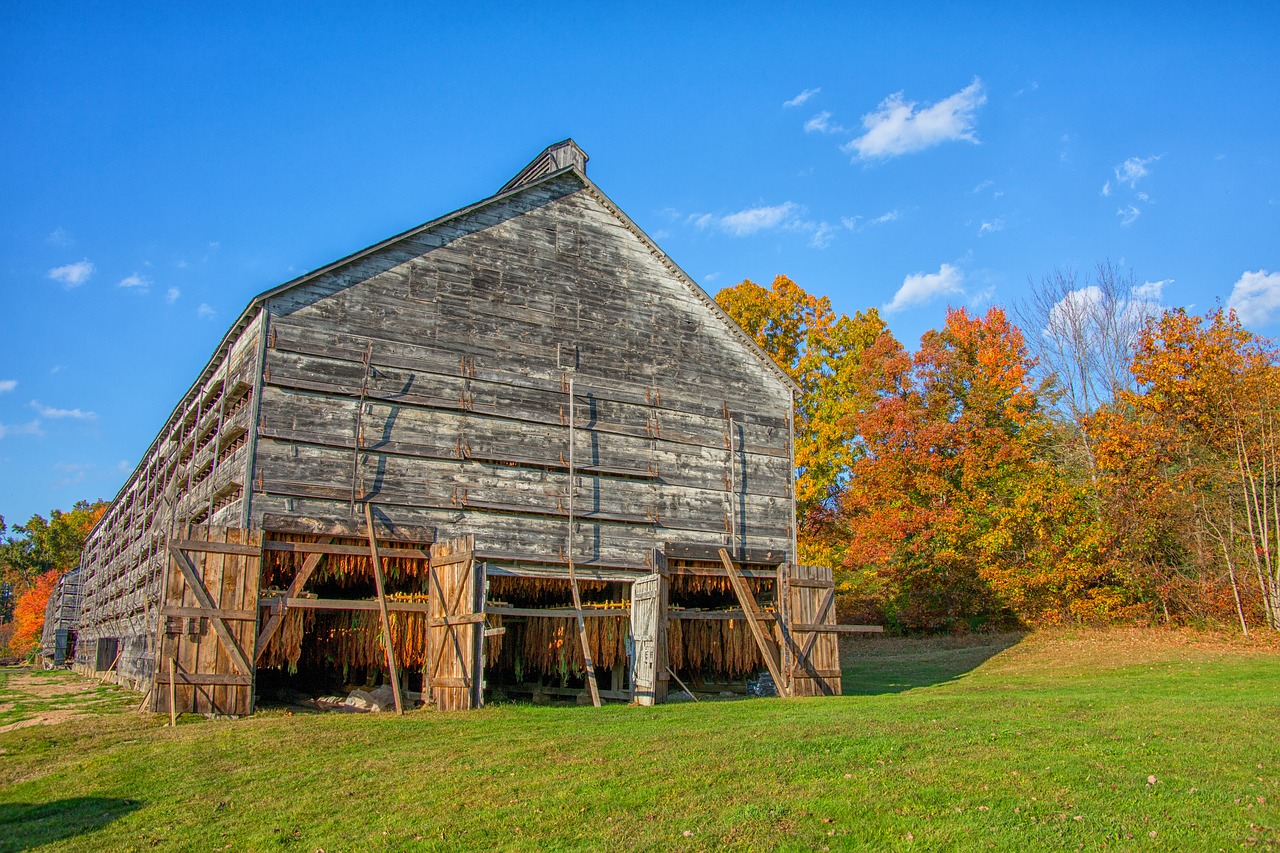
point(47, 688)
point(45, 718)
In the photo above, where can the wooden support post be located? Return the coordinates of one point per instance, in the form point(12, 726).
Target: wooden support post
point(382, 606)
point(768, 648)
point(573, 578)
point(173, 692)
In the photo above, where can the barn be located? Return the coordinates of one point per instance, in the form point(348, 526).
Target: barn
point(61, 619)
point(513, 451)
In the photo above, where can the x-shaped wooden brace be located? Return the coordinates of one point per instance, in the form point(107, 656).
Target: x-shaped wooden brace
point(206, 601)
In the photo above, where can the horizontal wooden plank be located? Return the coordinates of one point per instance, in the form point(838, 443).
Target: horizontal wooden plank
point(809, 583)
point(273, 522)
point(464, 619)
point(346, 604)
point(713, 572)
point(202, 613)
point(810, 628)
point(162, 677)
point(692, 551)
point(451, 560)
point(215, 547)
point(802, 673)
point(350, 550)
point(715, 615)
point(554, 612)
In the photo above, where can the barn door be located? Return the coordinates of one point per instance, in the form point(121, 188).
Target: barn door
point(812, 611)
point(208, 622)
point(648, 657)
point(455, 626)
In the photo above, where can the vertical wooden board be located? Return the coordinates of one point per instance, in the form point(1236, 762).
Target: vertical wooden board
point(453, 593)
point(212, 657)
point(248, 600)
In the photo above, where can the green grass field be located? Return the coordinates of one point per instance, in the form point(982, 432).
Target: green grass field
point(1057, 740)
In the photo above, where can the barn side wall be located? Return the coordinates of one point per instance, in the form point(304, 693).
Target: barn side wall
point(460, 341)
point(195, 471)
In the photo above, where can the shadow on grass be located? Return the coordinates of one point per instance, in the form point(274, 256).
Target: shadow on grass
point(879, 665)
point(27, 825)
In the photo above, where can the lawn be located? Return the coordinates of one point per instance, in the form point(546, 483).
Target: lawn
point(1119, 739)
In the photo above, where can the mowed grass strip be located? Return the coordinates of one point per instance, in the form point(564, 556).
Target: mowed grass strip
point(1077, 740)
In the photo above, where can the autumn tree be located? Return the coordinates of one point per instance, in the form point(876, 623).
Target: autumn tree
point(43, 545)
point(28, 614)
point(825, 354)
point(949, 445)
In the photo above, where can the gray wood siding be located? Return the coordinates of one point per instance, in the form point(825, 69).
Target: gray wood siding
point(468, 328)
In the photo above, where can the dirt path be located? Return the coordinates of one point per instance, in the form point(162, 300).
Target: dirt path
point(37, 698)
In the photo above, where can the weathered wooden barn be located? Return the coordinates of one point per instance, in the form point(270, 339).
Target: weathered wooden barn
point(515, 448)
point(61, 620)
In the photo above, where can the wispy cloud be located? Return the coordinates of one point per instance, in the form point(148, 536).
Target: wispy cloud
point(171, 296)
point(991, 226)
point(787, 216)
point(711, 276)
point(60, 238)
point(801, 98)
point(920, 288)
point(1151, 291)
point(73, 275)
point(54, 413)
point(1134, 169)
point(1128, 214)
point(124, 466)
point(821, 123)
point(205, 311)
point(755, 219)
point(135, 282)
point(31, 427)
point(71, 473)
point(899, 126)
point(1256, 297)
point(7, 385)
point(859, 223)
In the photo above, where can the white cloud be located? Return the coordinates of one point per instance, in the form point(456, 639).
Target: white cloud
point(822, 235)
point(7, 385)
point(755, 219)
point(711, 276)
point(1106, 189)
point(124, 466)
point(206, 311)
point(1128, 214)
point(801, 98)
point(1151, 291)
point(1133, 170)
point(50, 412)
point(135, 282)
point(991, 226)
point(982, 186)
point(1256, 297)
point(920, 288)
point(898, 127)
point(29, 428)
point(73, 275)
point(172, 295)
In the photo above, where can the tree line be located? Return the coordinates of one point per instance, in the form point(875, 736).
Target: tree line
point(1116, 461)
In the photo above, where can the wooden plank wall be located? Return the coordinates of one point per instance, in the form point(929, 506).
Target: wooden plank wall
point(208, 680)
point(467, 331)
point(193, 472)
point(811, 597)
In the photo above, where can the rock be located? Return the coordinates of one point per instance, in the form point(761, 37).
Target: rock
point(360, 699)
point(384, 698)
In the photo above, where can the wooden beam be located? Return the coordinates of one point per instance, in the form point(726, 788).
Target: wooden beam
point(768, 648)
point(216, 547)
point(587, 663)
point(382, 606)
point(343, 604)
point(206, 601)
point(805, 628)
point(710, 553)
point(201, 613)
point(351, 550)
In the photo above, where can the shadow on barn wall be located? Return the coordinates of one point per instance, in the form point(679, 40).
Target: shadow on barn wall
point(877, 665)
point(24, 826)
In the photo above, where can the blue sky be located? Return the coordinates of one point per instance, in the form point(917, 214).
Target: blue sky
point(161, 165)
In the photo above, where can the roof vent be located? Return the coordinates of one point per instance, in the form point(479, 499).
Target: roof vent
point(554, 158)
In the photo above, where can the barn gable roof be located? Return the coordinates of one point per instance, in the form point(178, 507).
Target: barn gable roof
point(556, 161)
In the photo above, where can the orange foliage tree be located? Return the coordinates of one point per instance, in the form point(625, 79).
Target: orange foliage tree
point(28, 613)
